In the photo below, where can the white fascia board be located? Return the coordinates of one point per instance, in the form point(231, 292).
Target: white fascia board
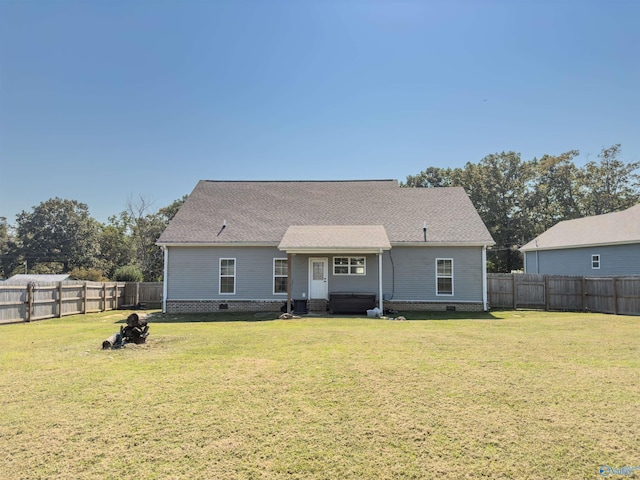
point(442, 244)
point(328, 249)
point(333, 250)
point(212, 244)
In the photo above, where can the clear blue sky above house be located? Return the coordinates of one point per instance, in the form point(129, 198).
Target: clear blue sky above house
point(102, 101)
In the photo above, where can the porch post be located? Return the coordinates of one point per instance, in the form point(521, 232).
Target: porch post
point(381, 305)
point(288, 283)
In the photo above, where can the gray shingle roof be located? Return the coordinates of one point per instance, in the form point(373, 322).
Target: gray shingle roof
point(38, 277)
point(610, 228)
point(261, 212)
point(335, 237)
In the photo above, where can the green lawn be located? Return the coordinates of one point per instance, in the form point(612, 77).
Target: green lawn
point(504, 395)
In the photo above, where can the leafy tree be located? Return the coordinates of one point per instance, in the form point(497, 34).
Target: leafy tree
point(58, 236)
point(556, 194)
point(116, 246)
point(167, 213)
point(498, 187)
point(518, 200)
point(610, 184)
point(7, 247)
point(145, 227)
point(431, 177)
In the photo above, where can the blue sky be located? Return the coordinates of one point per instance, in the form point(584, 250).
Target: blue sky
point(102, 101)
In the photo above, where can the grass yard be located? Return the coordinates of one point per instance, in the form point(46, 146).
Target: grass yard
point(503, 395)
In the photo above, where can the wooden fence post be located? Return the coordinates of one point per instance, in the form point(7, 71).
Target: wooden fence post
point(615, 295)
point(514, 288)
point(104, 296)
point(29, 301)
point(137, 293)
point(84, 303)
point(547, 301)
point(584, 294)
point(59, 299)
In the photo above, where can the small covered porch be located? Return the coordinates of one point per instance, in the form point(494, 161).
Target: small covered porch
point(334, 259)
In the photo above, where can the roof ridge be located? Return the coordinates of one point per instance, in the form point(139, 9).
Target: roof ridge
point(304, 181)
point(598, 215)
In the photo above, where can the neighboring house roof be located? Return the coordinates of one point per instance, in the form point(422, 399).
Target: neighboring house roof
point(260, 212)
point(611, 228)
point(26, 278)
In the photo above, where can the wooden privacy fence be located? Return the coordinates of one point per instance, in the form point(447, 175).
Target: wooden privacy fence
point(617, 295)
point(37, 301)
point(147, 293)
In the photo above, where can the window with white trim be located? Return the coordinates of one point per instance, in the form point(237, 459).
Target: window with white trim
point(444, 276)
point(595, 262)
point(280, 275)
point(227, 276)
point(349, 265)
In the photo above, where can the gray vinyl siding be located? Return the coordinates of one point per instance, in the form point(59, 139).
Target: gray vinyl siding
point(412, 275)
point(615, 260)
point(367, 283)
point(531, 262)
point(193, 273)
point(299, 276)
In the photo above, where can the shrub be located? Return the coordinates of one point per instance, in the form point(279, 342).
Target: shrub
point(91, 274)
point(129, 273)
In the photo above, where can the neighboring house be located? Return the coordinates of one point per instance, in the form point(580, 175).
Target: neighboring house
point(257, 245)
point(601, 245)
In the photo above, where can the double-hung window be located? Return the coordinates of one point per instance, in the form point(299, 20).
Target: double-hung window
point(444, 276)
point(280, 275)
point(349, 265)
point(595, 262)
point(228, 276)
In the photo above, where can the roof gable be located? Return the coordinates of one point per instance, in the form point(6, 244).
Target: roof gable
point(351, 238)
point(607, 229)
point(219, 212)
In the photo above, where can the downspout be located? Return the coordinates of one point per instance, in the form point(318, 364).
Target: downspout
point(288, 282)
point(165, 278)
point(484, 278)
point(380, 302)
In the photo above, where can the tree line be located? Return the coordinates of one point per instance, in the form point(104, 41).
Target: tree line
point(519, 199)
point(59, 236)
point(516, 199)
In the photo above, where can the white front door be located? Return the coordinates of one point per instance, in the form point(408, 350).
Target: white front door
point(318, 273)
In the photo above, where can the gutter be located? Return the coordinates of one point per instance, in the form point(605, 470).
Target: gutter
point(372, 249)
